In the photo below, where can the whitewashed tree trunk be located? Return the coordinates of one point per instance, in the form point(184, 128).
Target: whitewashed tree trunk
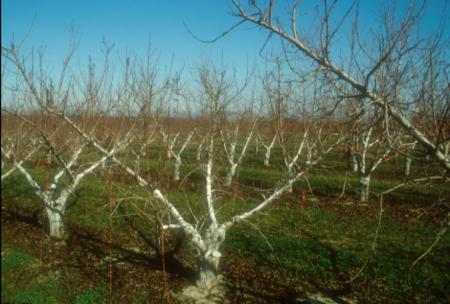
point(199, 149)
point(354, 163)
point(364, 187)
point(177, 156)
point(169, 143)
point(55, 203)
point(209, 287)
point(55, 213)
point(234, 163)
point(55, 222)
point(365, 170)
point(267, 157)
point(409, 159)
point(291, 162)
point(408, 166)
point(290, 176)
point(208, 272)
point(268, 149)
point(176, 172)
point(231, 174)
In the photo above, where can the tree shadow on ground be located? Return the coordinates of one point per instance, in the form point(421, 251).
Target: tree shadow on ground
point(87, 248)
point(32, 218)
point(91, 254)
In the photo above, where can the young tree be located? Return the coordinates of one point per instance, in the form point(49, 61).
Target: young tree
point(170, 143)
point(268, 148)
point(200, 148)
point(229, 146)
point(55, 196)
point(409, 150)
point(85, 98)
point(177, 155)
point(207, 240)
point(368, 146)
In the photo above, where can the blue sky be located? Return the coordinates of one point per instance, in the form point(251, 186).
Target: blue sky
point(131, 24)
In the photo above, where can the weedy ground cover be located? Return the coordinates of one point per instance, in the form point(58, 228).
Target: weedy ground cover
point(327, 246)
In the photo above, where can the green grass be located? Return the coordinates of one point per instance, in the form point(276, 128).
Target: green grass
point(90, 296)
point(318, 247)
point(324, 248)
point(20, 266)
point(25, 281)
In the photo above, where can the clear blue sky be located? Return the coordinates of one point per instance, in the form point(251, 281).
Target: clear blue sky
point(130, 24)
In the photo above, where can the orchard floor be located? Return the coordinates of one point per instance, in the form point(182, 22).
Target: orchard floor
point(83, 263)
point(90, 268)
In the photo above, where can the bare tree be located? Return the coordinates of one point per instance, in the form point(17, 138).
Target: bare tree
point(56, 196)
point(384, 78)
point(177, 155)
point(380, 150)
point(88, 97)
point(207, 240)
point(268, 148)
point(409, 150)
point(229, 146)
point(200, 148)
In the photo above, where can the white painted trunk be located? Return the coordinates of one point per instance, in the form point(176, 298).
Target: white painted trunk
point(209, 287)
point(199, 152)
point(354, 163)
point(55, 223)
point(267, 158)
point(364, 186)
point(291, 175)
point(208, 271)
point(231, 174)
point(408, 166)
point(176, 173)
point(169, 155)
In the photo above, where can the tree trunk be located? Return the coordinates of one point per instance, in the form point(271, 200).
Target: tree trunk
point(208, 271)
point(267, 158)
point(199, 152)
point(291, 175)
point(55, 223)
point(210, 287)
point(408, 166)
point(364, 186)
point(176, 173)
point(354, 163)
point(230, 175)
